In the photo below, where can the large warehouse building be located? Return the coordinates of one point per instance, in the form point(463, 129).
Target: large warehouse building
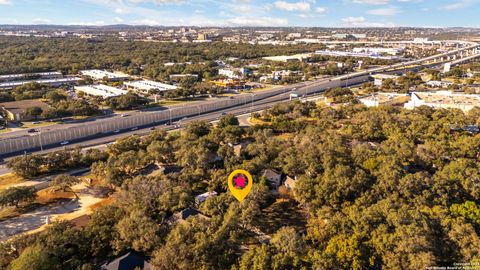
point(146, 85)
point(98, 74)
point(100, 90)
point(50, 82)
point(30, 76)
point(444, 99)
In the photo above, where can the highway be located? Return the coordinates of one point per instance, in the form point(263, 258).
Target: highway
point(104, 130)
point(91, 132)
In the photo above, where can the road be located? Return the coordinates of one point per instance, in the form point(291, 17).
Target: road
point(96, 131)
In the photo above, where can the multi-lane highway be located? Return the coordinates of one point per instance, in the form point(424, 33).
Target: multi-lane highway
point(90, 132)
point(72, 133)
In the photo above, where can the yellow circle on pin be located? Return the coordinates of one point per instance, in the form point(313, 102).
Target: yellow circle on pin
point(240, 183)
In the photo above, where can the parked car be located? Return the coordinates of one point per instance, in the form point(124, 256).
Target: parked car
point(134, 128)
point(124, 115)
point(36, 123)
point(32, 130)
point(64, 143)
point(116, 131)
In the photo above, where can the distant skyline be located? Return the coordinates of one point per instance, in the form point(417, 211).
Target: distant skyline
point(318, 13)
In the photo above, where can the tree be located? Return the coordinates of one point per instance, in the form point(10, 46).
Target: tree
point(26, 166)
point(65, 183)
point(34, 258)
point(33, 112)
point(228, 120)
point(137, 231)
point(14, 196)
point(55, 96)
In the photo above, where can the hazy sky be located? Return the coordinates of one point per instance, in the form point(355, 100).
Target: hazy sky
point(337, 13)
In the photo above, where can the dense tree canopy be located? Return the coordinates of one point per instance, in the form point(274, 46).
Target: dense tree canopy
point(376, 188)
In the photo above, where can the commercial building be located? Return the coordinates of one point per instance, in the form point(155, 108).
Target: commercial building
point(438, 83)
point(178, 77)
point(349, 36)
point(391, 99)
point(16, 110)
point(146, 85)
point(291, 58)
point(50, 82)
point(443, 99)
point(378, 51)
point(98, 74)
point(100, 90)
point(30, 76)
point(233, 73)
point(379, 78)
point(230, 84)
point(355, 54)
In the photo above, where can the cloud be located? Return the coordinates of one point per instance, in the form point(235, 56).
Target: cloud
point(160, 2)
point(362, 22)
point(371, 2)
point(390, 11)
point(259, 21)
point(321, 10)
point(41, 21)
point(120, 11)
point(353, 20)
point(118, 20)
point(295, 6)
point(242, 8)
point(5, 2)
point(458, 5)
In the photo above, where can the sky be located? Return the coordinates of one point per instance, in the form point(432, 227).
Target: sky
point(319, 13)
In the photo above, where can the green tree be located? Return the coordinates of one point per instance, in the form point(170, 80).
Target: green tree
point(26, 166)
point(33, 112)
point(64, 183)
point(34, 258)
point(14, 196)
point(228, 120)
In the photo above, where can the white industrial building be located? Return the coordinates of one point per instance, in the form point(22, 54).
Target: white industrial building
point(378, 51)
point(50, 82)
point(233, 73)
point(24, 76)
point(289, 58)
point(444, 99)
point(98, 74)
point(438, 83)
point(147, 85)
point(100, 90)
point(378, 99)
point(354, 54)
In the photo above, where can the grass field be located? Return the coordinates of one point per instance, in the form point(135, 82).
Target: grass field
point(9, 179)
point(174, 102)
point(41, 124)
